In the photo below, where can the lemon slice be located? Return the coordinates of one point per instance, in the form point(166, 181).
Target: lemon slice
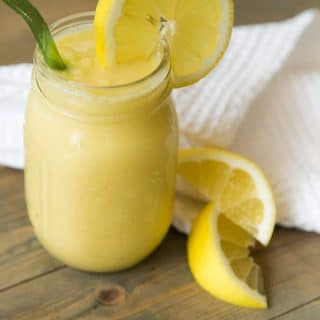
point(198, 33)
point(219, 260)
point(237, 186)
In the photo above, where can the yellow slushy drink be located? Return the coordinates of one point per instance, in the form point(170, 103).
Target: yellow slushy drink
point(101, 148)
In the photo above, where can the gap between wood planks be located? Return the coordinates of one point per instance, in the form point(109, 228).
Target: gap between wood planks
point(24, 281)
point(292, 310)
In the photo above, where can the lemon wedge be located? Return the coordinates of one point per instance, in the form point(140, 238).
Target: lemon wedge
point(218, 255)
point(236, 185)
point(241, 210)
point(197, 32)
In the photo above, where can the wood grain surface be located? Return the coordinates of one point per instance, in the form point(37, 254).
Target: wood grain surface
point(35, 286)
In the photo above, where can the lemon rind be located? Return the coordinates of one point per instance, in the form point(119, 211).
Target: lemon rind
point(226, 33)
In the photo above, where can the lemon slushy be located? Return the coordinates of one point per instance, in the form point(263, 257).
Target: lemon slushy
point(101, 149)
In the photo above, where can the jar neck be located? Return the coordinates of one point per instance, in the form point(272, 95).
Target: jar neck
point(80, 99)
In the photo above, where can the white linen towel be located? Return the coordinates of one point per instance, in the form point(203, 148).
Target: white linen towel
point(262, 101)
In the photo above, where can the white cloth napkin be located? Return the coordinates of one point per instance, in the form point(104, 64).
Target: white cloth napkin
point(262, 101)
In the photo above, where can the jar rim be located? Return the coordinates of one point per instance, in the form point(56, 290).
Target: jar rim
point(81, 18)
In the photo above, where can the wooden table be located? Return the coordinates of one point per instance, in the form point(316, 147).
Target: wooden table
point(35, 286)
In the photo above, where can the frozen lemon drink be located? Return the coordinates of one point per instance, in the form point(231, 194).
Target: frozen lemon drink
point(100, 155)
point(101, 133)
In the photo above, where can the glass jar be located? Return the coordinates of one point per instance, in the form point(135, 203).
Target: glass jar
point(100, 164)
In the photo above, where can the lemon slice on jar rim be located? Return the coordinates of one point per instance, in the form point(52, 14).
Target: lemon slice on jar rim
point(198, 33)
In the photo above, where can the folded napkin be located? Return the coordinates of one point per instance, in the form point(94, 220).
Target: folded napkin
point(263, 101)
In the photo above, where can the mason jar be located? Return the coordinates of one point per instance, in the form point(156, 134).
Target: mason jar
point(100, 163)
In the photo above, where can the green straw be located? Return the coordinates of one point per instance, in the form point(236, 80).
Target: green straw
point(40, 31)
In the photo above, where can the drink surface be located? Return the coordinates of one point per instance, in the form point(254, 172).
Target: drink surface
point(79, 53)
point(99, 182)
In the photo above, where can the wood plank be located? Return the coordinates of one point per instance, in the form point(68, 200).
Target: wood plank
point(21, 256)
point(162, 287)
point(70, 293)
point(310, 311)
